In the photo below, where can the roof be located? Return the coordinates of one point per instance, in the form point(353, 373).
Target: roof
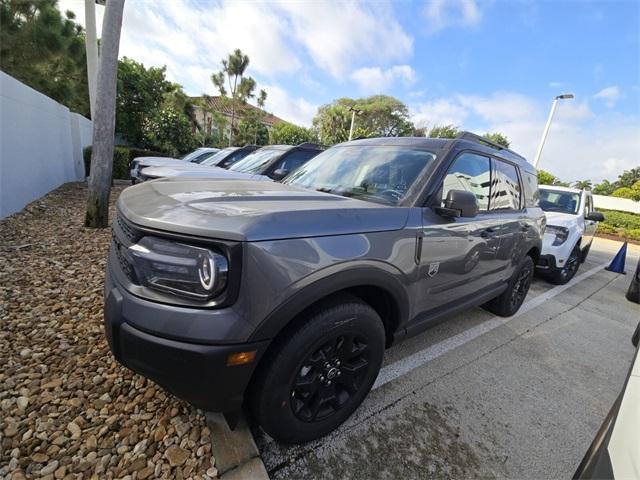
point(422, 142)
point(560, 189)
point(219, 104)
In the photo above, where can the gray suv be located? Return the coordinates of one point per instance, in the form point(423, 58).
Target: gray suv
point(282, 298)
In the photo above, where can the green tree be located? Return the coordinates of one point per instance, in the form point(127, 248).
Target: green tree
point(632, 192)
point(628, 178)
point(251, 130)
point(285, 133)
point(141, 93)
point(498, 138)
point(45, 50)
point(583, 184)
point(546, 178)
point(604, 188)
point(241, 88)
point(169, 130)
point(444, 131)
point(378, 116)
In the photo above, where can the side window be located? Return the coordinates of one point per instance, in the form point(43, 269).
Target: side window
point(296, 159)
point(505, 187)
point(531, 192)
point(588, 204)
point(470, 172)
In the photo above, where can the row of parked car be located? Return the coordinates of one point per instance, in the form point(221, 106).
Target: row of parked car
point(278, 289)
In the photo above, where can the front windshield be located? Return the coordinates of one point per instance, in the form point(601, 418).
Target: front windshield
point(190, 156)
point(559, 201)
point(256, 161)
point(215, 159)
point(381, 174)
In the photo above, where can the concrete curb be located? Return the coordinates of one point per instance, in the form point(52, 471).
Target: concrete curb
point(237, 456)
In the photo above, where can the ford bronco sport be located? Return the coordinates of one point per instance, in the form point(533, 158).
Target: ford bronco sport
point(282, 297)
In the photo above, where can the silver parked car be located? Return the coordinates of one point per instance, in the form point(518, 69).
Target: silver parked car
point(195, 157)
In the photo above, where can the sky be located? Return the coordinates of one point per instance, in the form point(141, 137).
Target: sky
point(480, 65)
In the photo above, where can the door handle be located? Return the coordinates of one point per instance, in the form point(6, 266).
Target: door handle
point(526, 227)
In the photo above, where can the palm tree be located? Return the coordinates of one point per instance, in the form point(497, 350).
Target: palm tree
point(583, 184)
point(97, 215)
point(233, 68)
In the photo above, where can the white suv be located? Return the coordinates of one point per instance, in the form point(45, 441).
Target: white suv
point(571, 225)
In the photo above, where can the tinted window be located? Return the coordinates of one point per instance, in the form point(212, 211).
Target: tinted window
point(295, 159)
point(214, 159)
point(234, 157)
point(257, 161)
point(472, 173)
point(505, 187)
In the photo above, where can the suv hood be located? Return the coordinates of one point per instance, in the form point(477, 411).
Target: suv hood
point(252, 210)
point(195, 171)
point(142, 162)
point(561, 219)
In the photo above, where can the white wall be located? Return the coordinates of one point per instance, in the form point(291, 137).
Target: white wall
point(41, 144)
point(614, 203)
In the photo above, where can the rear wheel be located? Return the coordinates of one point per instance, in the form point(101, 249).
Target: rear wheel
point(509, 301)
point(563, 275)
point(320, 373)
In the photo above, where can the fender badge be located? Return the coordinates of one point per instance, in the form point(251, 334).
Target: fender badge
point(433, 269)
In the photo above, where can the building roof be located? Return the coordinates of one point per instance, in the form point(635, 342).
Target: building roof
point(218, 104)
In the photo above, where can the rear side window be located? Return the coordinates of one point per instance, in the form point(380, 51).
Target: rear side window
point(505, 187)
point(470, 172)
point(295, 159)
point(531, 192)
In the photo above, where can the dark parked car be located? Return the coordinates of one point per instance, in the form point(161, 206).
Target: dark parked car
point(228, 156)
point(271, 162)
point(282, 297)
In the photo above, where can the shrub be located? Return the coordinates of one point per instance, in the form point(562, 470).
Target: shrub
point(621, 224)
point(122, 157)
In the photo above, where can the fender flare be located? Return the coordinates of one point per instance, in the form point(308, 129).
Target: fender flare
point(380, 275)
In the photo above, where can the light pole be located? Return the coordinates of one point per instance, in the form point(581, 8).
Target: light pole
point(564, 96)
point(354, 111)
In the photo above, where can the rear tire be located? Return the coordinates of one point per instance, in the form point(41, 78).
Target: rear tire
point(320, 372)
point(509, 301)
point(563, 275)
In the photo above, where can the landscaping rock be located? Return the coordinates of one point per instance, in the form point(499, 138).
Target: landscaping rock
point(68, 409)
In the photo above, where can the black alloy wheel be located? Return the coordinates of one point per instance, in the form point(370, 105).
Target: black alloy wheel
point(329, 377)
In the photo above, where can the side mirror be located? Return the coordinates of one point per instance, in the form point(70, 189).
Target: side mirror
point(279, 174)
point(459, 203)
point(595, 217)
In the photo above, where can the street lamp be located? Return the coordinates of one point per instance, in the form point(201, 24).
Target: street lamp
point(354, 111)
point(564, 96)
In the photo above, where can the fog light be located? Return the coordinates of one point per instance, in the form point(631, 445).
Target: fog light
point(241, 358)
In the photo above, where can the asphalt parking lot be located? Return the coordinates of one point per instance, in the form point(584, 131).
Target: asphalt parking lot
point(483, 396)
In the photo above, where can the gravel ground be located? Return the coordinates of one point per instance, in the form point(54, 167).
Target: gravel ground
point(68, 409)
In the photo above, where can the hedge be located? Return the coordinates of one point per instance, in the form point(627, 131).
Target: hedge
point(122, 157)
point(621, 224)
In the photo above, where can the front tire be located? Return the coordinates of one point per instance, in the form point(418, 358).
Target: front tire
point(319, 373)
point(563, 275)
point(509, 301)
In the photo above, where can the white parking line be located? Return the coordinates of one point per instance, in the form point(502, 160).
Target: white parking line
point(406, 365)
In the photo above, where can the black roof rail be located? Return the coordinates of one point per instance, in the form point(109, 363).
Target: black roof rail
point(478, 139)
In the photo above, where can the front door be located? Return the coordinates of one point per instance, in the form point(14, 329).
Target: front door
point(590, 226)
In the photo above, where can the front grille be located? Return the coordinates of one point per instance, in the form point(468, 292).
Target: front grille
point(124, 235)
point(129, 232)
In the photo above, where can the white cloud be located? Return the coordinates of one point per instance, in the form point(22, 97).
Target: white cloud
point(609, 95)
point(294, 110)
point(580, 144)
point(441, 14)
point(340, 35)
point(377, 80)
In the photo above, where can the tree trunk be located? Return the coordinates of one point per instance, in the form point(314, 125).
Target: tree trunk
point(97, 215)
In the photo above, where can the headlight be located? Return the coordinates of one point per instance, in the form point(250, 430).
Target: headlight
point(183, 270)
point(561, 234)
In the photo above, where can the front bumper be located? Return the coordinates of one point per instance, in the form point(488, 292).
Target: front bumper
point(197, 373)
